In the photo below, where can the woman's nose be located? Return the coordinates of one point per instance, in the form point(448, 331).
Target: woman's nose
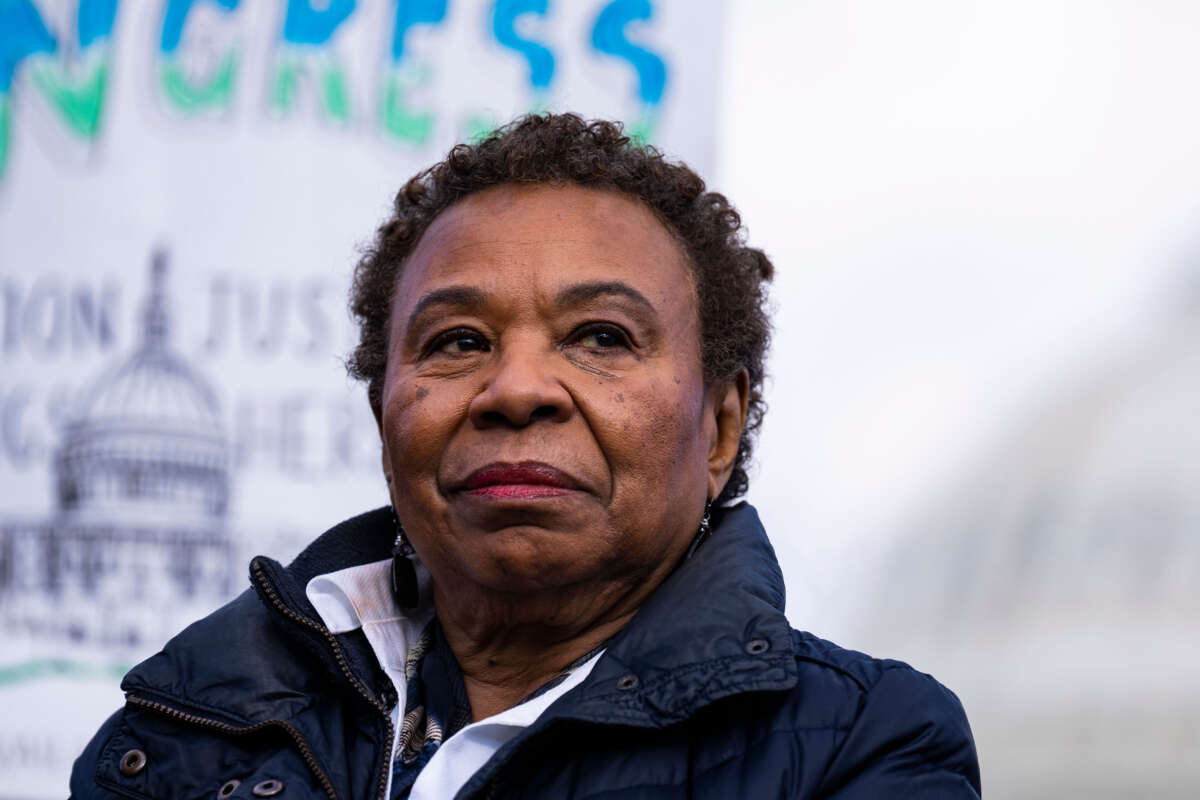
point(521, 389)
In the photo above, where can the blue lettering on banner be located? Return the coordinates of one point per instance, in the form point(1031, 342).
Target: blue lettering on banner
point(175, 18)
point(539, 57)
point(409, 14)
point(95, 20)
point(608, 36)
point(22, 34)
point(398, 119)
point(304, 24)
point(73, 79)
point(77, 95)
point(306, 28)
point(183, 91)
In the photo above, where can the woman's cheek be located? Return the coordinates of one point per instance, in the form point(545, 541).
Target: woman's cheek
point(650, 433)
point(407, 429)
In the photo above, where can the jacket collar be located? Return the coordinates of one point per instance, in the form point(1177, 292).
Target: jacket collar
point(215, 667)
point(713, 629)
point(359, 540)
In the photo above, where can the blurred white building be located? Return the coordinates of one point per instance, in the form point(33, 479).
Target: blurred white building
point(1057, 589)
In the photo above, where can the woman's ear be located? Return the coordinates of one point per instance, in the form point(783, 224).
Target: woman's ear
point(729, 401)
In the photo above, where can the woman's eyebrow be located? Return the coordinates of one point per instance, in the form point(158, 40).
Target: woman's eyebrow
point(583, 293)
point(467, 298)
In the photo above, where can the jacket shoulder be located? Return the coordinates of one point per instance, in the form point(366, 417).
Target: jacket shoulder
point(814, 654)
point(908, 734)
point(208, 662)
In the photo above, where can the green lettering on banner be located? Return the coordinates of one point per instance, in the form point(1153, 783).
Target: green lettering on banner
point(641, 130)
point(188, 95)
point(79, 102)
point(43, 668)
point(283, 85)
point(335, 97)
point(478, 126)
point(74, 87)
point(333, 94)
point(398, 119)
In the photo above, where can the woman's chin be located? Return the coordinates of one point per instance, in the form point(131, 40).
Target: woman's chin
point(526, 559)
point(513, 509)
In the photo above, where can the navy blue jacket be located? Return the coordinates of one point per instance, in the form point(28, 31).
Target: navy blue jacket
point(707, 693)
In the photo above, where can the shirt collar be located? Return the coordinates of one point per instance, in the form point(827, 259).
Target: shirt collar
point(361, 597)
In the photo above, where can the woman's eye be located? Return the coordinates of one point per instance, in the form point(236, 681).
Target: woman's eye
point(602, 337)
point(458, 343)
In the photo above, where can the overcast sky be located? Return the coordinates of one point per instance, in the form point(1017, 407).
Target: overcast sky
point(968, 203)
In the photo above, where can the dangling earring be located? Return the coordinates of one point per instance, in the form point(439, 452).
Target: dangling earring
point(404, 574)
point(704, 531)
point(706, 520)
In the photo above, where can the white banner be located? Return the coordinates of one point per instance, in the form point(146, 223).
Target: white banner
point(183, 189)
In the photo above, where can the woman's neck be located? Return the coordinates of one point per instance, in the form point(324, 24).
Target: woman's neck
point(496, 679)
point(507, 654)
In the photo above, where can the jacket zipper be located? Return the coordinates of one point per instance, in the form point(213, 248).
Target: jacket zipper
point(192, 719)
point(260, 576)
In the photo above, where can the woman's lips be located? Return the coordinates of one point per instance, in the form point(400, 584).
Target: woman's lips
point(524, 481)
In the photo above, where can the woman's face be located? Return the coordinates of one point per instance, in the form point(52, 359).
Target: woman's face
point(544, 417)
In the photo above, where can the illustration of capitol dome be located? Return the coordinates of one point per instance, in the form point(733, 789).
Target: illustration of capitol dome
point(1057, 588)
point(147, 439)
point(139, 542)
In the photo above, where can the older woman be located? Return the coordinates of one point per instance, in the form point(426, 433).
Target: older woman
point(562, 337)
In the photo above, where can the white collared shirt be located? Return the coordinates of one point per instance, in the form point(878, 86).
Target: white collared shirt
point(361, 597)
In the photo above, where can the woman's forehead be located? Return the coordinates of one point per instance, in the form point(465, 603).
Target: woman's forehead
point(548, 237)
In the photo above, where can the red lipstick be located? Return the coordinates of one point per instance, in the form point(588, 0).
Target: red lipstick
point(524, 481)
